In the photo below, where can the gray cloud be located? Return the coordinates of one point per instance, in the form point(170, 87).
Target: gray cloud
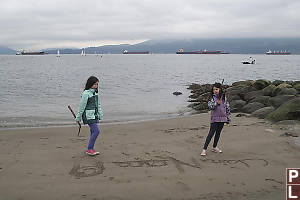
point(41, 24)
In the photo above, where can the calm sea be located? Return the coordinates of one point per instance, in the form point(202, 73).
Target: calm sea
point(36, 90)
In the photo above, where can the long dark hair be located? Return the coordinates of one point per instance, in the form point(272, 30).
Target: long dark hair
point(90, 82)
point(221, 93)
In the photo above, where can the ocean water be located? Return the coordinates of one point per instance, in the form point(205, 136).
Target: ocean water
point(36, 90)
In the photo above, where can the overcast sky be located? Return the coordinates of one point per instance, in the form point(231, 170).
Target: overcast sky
point(35, 24)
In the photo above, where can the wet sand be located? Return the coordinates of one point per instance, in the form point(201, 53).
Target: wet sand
point(148, 160)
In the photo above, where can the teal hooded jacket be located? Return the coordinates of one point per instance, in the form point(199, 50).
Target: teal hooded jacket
point(89, 109)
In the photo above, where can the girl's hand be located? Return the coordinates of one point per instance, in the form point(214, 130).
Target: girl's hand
point(218, 101)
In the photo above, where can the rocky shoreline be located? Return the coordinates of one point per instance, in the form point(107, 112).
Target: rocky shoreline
point(274, 101)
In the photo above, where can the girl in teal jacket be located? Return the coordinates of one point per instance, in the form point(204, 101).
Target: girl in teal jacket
point(90, 111)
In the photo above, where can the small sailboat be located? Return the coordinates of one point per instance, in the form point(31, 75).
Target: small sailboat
point(58, 55)
point(83, 52)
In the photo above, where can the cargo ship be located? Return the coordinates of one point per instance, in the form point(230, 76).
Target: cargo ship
point(278, 52)
point(31, 53)
point(181, 51)
point(135, 52)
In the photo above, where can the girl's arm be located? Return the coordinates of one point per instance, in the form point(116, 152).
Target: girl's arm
point(227, 110)
point(83, 102)
point(212, 104)
point(100, 114)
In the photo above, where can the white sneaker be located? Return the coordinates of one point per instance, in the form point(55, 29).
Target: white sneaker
point(203, 153)
point(216, 150)
point(96, 152)
point(92, 152)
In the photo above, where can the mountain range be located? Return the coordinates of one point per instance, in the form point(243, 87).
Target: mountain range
point(233, 45)
point(6, 50)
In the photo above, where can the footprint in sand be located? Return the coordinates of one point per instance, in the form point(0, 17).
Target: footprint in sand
point(183, 186)
point(78, 139)
point(85, 166)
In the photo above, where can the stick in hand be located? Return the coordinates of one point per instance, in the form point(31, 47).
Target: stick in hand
point(75, 117)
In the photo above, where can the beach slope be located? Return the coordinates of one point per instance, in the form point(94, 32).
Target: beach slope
point(148, 160)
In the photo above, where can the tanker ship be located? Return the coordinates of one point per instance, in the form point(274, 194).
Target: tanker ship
point(278, 52)
point(181, 51)
point(30, 53)
point(135, 52)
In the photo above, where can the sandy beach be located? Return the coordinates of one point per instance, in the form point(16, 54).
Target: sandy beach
point(148, 160)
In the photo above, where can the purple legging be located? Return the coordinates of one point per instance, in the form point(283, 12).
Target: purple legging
point(94, 134)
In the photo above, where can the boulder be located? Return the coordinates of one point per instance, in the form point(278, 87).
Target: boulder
point(243, 83)
point(245, 90)
point(269, 90)
point(251, 95)
point(261, 99)
point(237, 105)
point(230, 98)
point(193, 100)
point(289, 123)
point(290, 83)
point(289, 134)
point(288, 111)
point(198, 91)
point(194, 86)
point(203, 97)
point(242, 115)
point(207, 87)
point(177, 93)
point(288, 91)
point(296, 83)
point(201, 106)
point(193, 105)
point(233, 90)
point(277, 82)
point(261, 84)
point(233, 93)
point(251, 107)
point(194, 96)
point(297, 87)
point(263, 112)
point(279, 100)
point(280, 88)
point(284, 85)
